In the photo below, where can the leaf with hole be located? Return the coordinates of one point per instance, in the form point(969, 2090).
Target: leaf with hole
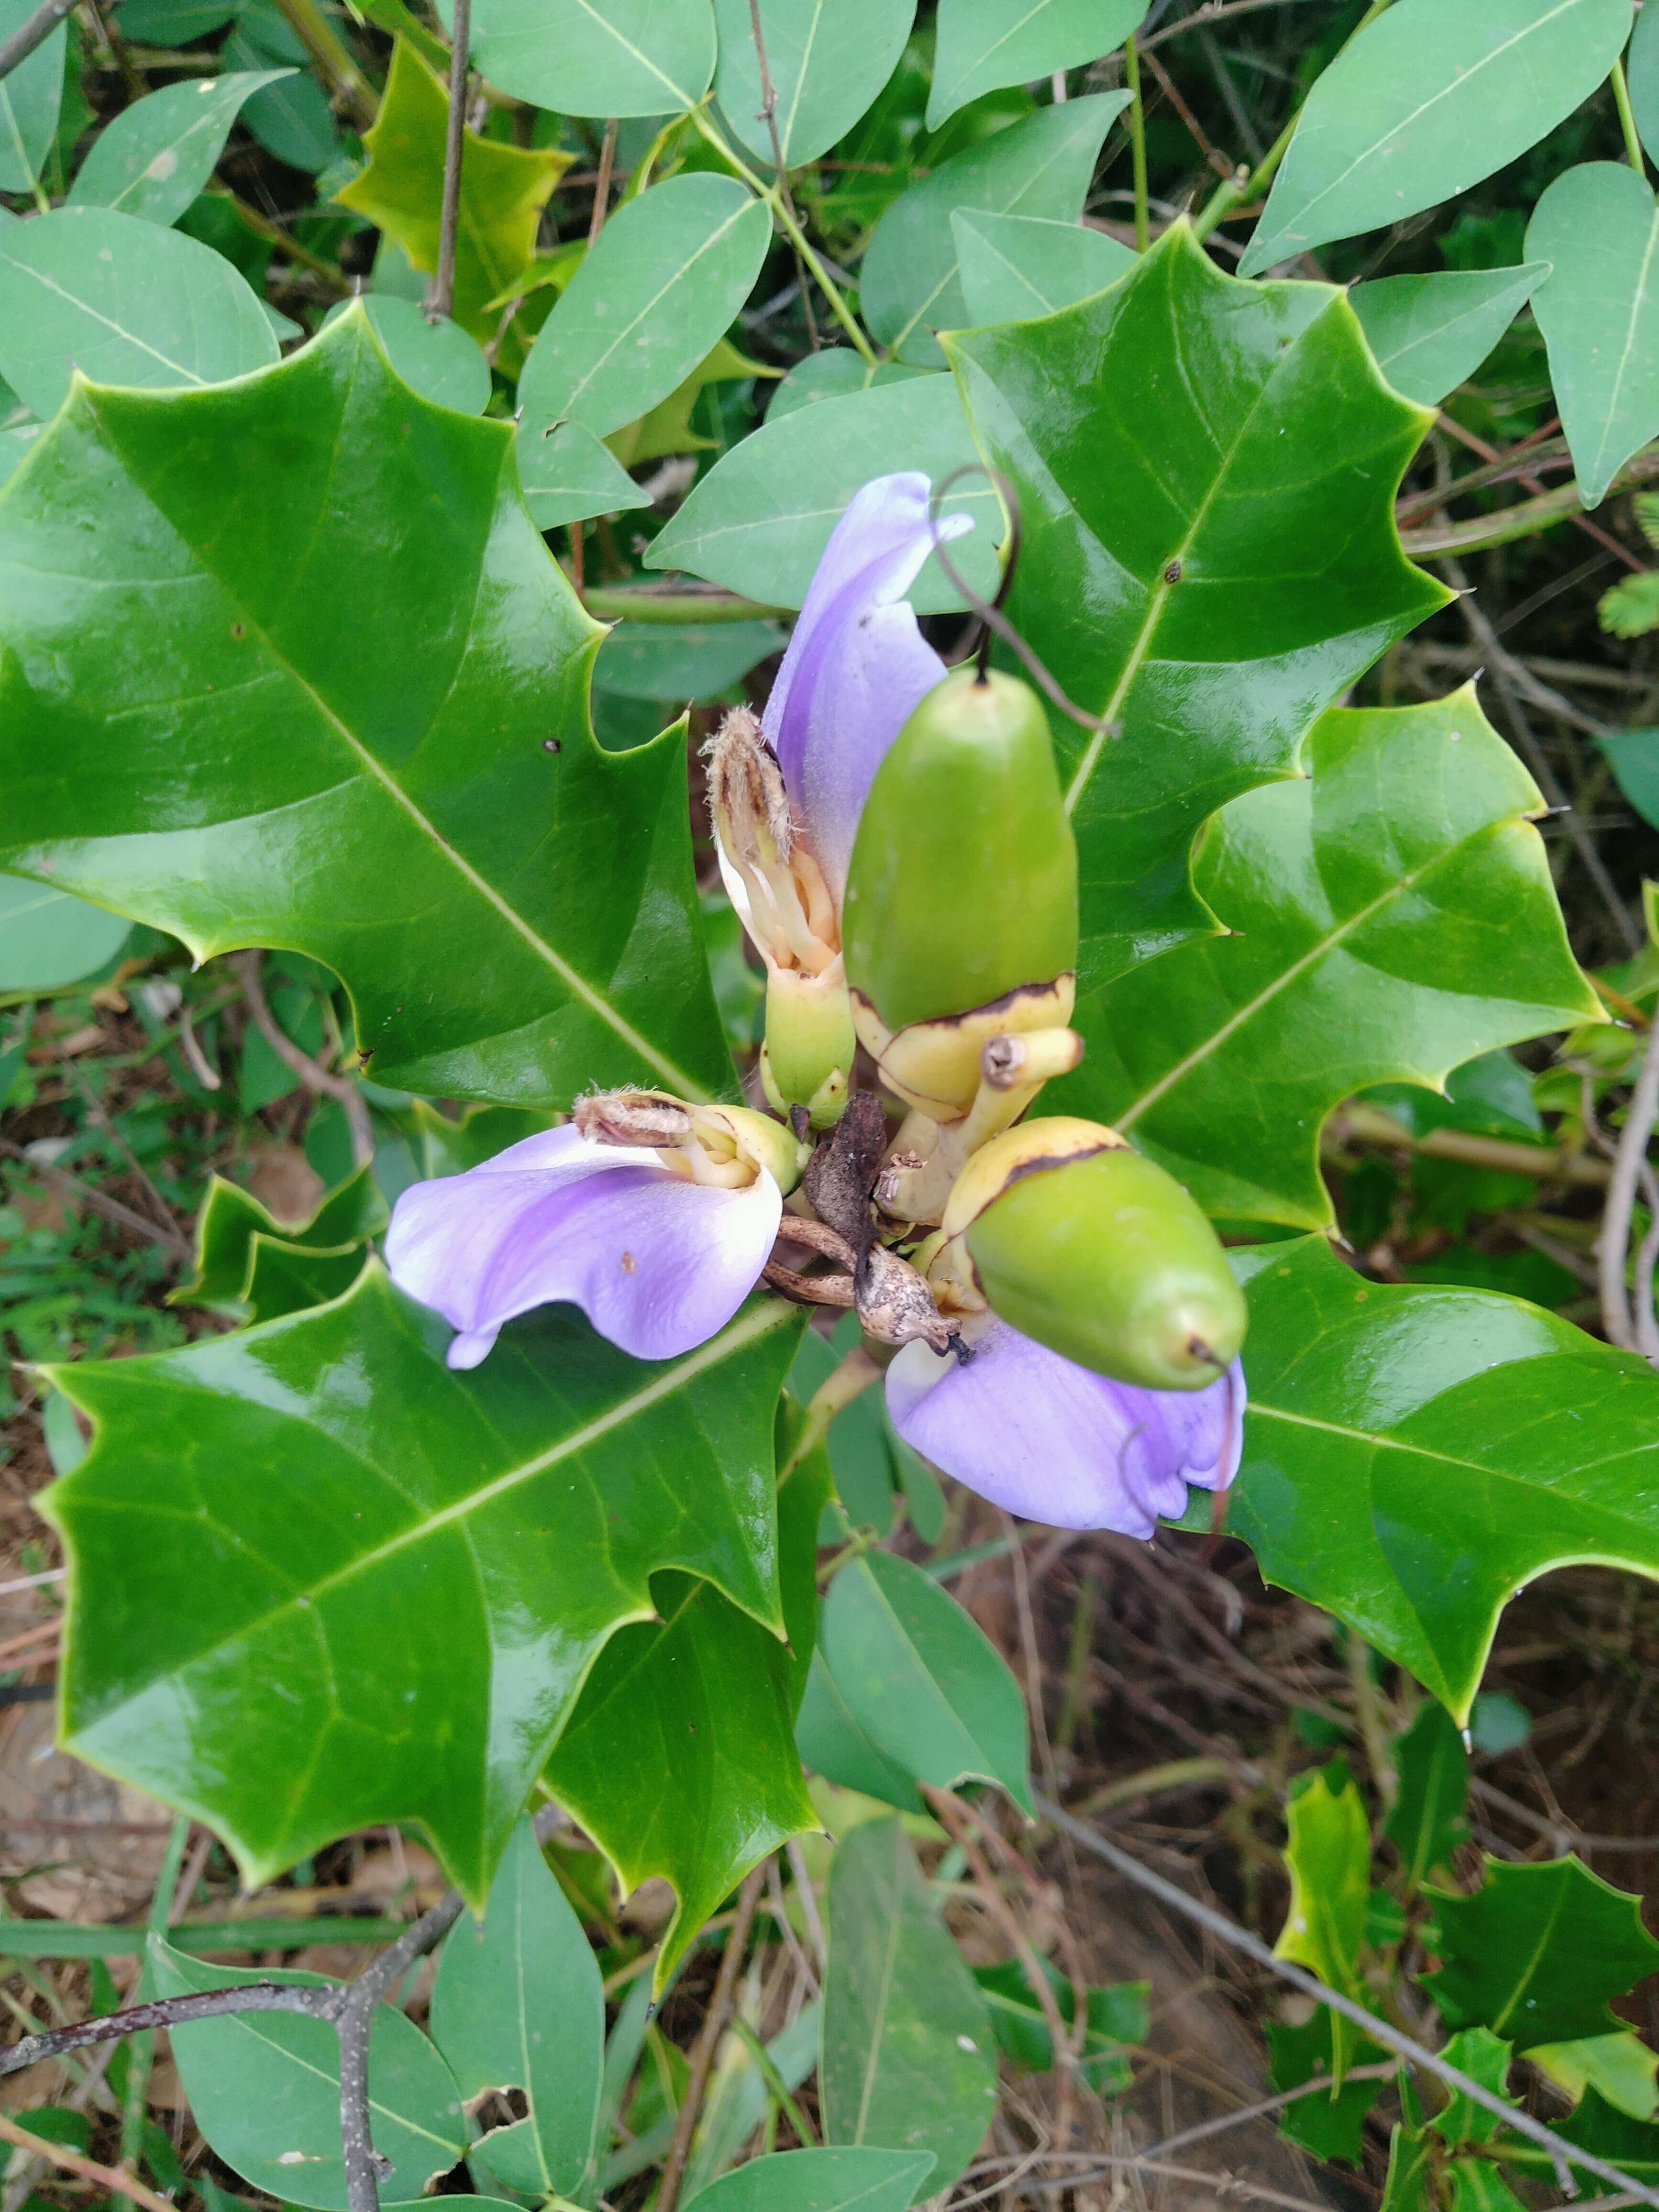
point(1172, 579)
point(1414, 1455)
point(158, 155)
point(911, 287)
point(921, 1679)
point(1537, 1951)
point(758, 521)
point(48, 938)
point(983, 44)
point(1426, 102)
point(1394, 915)
point(1017, 266)
point(825, 59)
point(680, 1758)
point(655, 293)
point(1599, 312)
point(124, 302)
point(910, 2053)
point(245, 1517)
point(264, 2090)
point(517, 2004)
point(399, 779)
point(503, 191)
point(1429, 334)
point(598, 57)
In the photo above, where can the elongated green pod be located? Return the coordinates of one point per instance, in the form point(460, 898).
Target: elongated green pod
point(963, 884)
point(1094, 1250)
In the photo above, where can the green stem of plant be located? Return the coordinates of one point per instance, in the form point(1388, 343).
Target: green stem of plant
point(1137, 142)
point(646, 606)
point(1228, 194)
point(141, 2049)
point(262, 227)
point(1627, 120)
point(776, 200)
point(345, 81)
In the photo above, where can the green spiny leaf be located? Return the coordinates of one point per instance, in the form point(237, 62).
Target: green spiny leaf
point(1425, 1824)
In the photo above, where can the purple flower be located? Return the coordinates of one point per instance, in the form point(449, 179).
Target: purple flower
point(1056, 1443)
point(857, 665)
point(657, 1262)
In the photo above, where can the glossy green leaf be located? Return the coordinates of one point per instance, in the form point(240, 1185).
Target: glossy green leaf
point(264, 2090)
point(29, 100)
point(1414, 2161)
point(438, 360)
point(910, 2053)
point(826, 60)
point(680, 1757)
point(983, 44)
point(124, 302)
point(523, 1508)
point(695, 662)
point(758, 521)
point(1328, 1859)
point(1117, 2017)
point(1332, 2126)
point(409, 725)
point(1478, 2185)
point(1423, 104)
point(847, 2179)
point(1620, 2068)
point(665, 277)
point(1642, 78)
point(1395, 915)
point(1015, 266)
point(568, 474)
point(1485, 2057)
point(285, 1277)
point(921, 1679)
point(1431, 334)
point(1634, 755)
point(598, 56)
point(1537, 1951)
point(158, 154)
point(1173, 579)
point(1414, 1455)
point(1425, 1823)
point(503, 191)
point(1601, 2129)
point(230, 1218)
point(1599, 312)
point(910, 285)
point(48, 938)
point(293, 120)
point(517, 2004)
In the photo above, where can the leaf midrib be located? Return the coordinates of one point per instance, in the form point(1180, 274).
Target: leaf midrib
point(686, 98)
point(1351, 1433)
point(1523, 1979)
point(884, 1995)
point(575, 982)
point(1637, 300)
point(979, 61)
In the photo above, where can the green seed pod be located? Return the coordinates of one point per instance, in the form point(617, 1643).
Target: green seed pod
point(963, 884)
point(807, 1055)
point(1094, 1251)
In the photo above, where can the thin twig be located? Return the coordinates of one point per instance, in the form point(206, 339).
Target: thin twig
point(440, 299)
point(1383, 2070)
point(316, 1079)
point(190, 1045)
point(707, 2043)
point(769, 117)
point(35, 33)
point(601, 182)
point(165, 2012)
point(117, 2181)
point(1380, 2030)
point(110, 1208)
point(809, 1903)
point(1213, 14)
point(1613, 1244)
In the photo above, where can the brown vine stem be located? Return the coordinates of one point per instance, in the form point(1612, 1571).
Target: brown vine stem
point(35, 33)
point(318, 1080)
point(708, 2042)
point(1525, 519)
point(1613, 1244)
point(115, 2179)
point(1562, 2156)
point(1368, 1125)
point(769, 116)
point(440, 299)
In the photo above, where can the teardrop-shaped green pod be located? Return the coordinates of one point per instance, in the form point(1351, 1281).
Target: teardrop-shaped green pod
point(806, 1059)
point(1102, 1256)
point(963, 884)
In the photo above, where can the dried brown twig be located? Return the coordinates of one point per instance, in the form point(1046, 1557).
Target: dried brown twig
point(318, 1080)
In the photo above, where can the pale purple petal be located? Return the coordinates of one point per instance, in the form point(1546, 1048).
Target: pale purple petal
point(1056, 1443)
point(857, 664)
point(658, 1265)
